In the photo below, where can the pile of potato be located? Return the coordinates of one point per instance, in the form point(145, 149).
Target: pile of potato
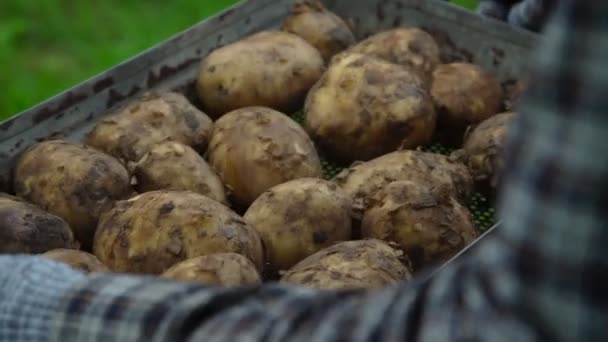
point(158, 187)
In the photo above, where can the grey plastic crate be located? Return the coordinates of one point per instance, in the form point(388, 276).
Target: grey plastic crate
point(173, 64)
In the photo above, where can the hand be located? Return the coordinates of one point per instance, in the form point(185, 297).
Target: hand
point(494, 9)
point(528, 14)
point(531, 14)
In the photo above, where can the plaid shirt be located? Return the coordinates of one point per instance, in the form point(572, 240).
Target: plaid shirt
point(542, 276)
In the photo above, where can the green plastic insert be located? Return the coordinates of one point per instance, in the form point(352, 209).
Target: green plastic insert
point(482, 210)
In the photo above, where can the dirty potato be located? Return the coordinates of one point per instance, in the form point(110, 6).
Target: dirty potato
point(72, 181)
point(79, 260)
point(429, 225)
point(155, 230)
point(298, 218)
point(411, 48)
point(360, 264)
point(483, 148)
point(362, 180)
point(174, 166)
point(25, 228)
point(364, 107)
point(256, 148)
point(465, 94)
point(272, 68)
point(221, 269)
point(130, 131)
point(320, 27)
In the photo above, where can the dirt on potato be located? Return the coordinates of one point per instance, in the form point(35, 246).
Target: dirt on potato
point(130, 131)
point(153, 231)
point(73, 181)
point(428, 225)
point(360, 264)
point(364, 107)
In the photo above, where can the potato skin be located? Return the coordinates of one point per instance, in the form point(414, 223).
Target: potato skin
point(411, 48)
point(430, 226)
point(173, 166)
point(360, 264)
point(72, 181)
point(277, 150)
point(221, 269)
point(363, 180)
point(271, 68)
point(465, 93)
point(298, 218)
point(155, 230)
point(79, 260)
point(130, 131)
point(364, 107)
point(25, 228)
point(320, 27)
point(484, 145)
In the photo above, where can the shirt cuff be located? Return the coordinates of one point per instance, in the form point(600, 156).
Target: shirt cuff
point(31, 292)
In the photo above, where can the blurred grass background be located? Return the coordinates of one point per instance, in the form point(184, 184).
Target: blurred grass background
point(47, 46)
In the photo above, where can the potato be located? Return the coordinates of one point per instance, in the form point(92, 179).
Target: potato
point(298, 218)
point(430, 226)
point(364, 107)
point(82, 261)
point(130, 131)
point(25, 228)
point(362, 180)
point(174, 166)
point(465, 94)
point(256, 148)
point(411, 48)
point(320, 27)
point(222, 269)
point(72, 181)
point(361, 264)
point(155, 230)
point(272, 68)
point(483, 148)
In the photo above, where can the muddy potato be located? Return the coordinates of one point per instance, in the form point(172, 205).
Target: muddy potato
point(465, 94)
point(360, 264)
point(25, 228)
point(429, 225)
point(130, 131)
point(483, 148)
point(82, 261)
point(272, 68)
point(256, 148)
point(364, 107)
point(72, 181)
point(174, 166)
point(362, 180)
point(155, 230)
point(411, 48)
point(222, 269)
point(298, 218)
point(320, 27)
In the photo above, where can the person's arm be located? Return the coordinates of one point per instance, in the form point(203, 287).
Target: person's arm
point(541, 276)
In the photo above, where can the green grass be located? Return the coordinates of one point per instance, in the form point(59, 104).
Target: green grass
point(47, 46)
